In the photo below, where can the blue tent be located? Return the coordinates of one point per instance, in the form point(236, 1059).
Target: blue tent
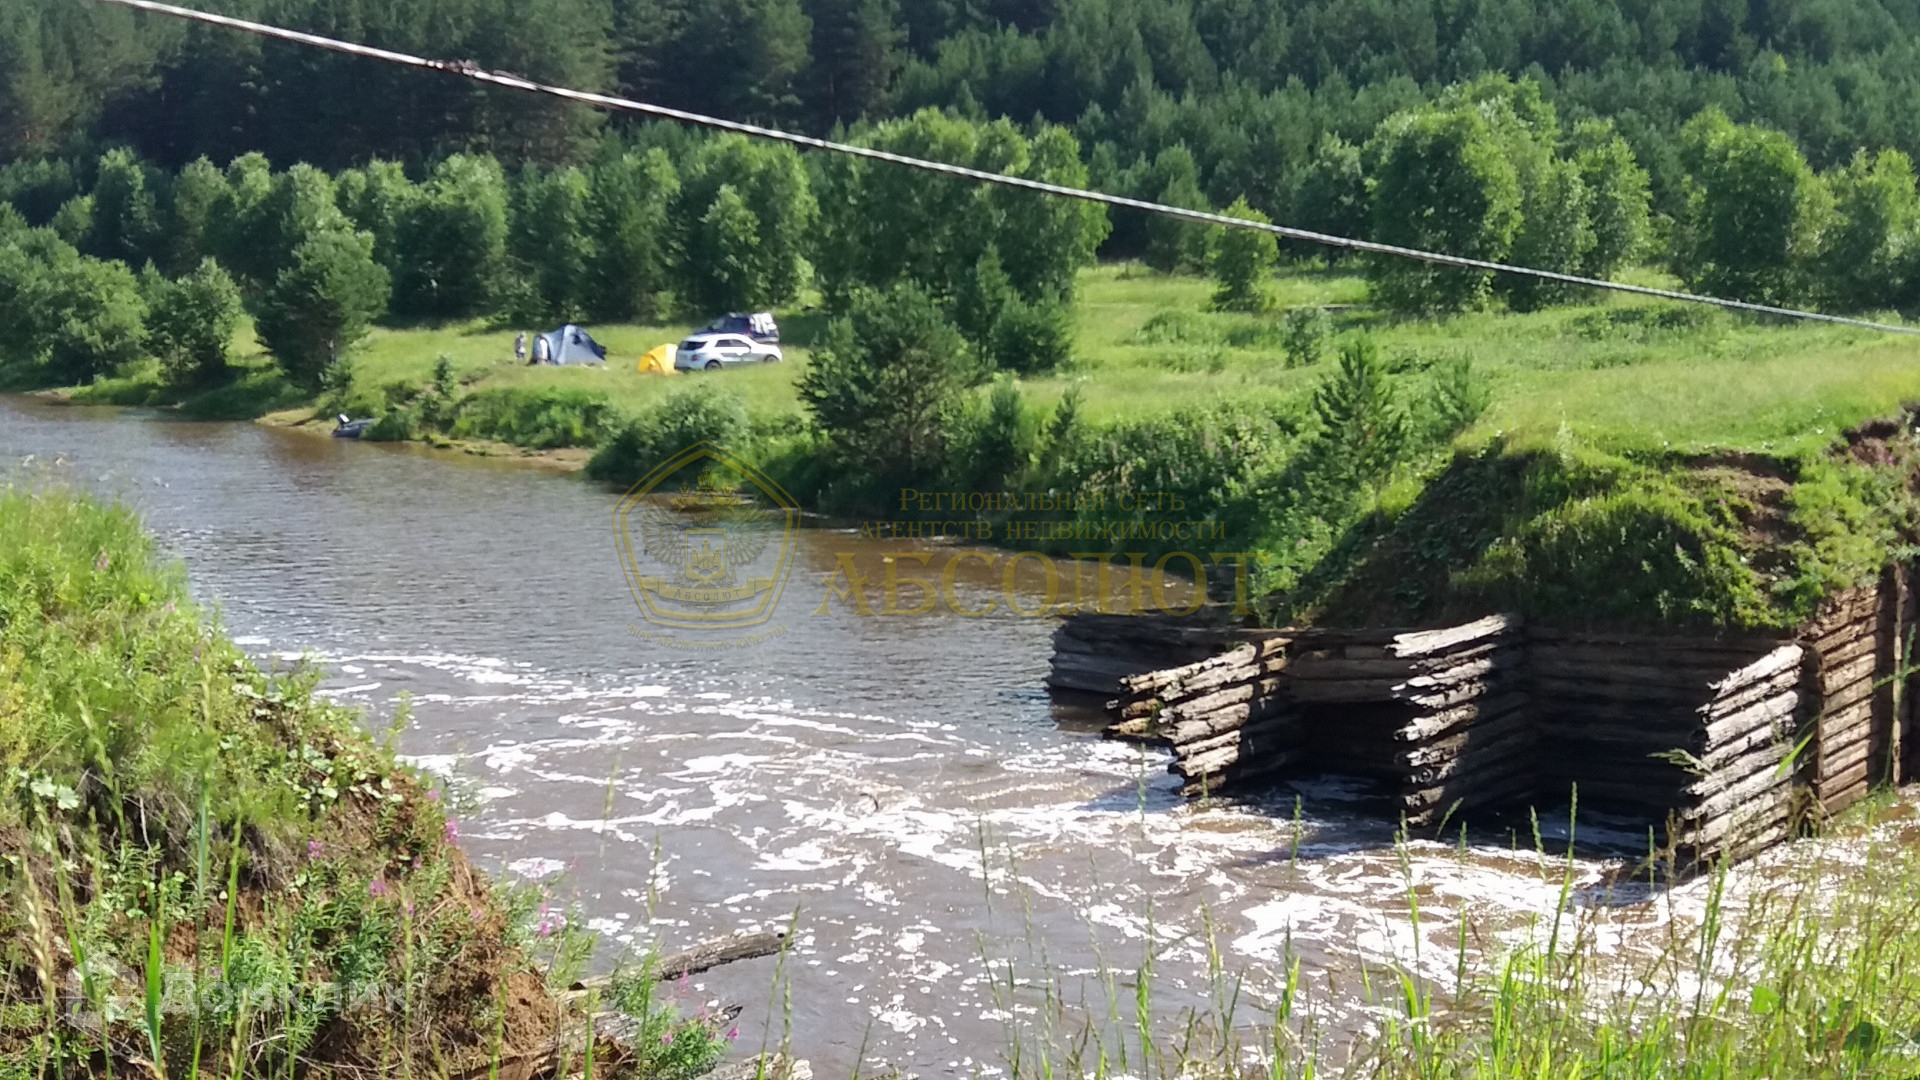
point(569, 345)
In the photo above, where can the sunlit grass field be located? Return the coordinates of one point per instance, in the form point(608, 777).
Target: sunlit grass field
point(1617, 372)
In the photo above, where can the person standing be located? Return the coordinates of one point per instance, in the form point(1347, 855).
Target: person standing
point(520, 348)
point(542, 351)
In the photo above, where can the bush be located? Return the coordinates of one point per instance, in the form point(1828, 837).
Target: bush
point(84, 316)
point(1033, 338)
point(1305, 336)
point(191, 322)
point(541, 419)
point(323, 304)
point(695, 413)
point(885, 382)
point(1755, 211)
point(1239, 260)
point(1443, 182)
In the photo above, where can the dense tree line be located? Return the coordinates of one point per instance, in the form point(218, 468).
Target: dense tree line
point(665, 224)
point(1248, 89)
point(672, 222)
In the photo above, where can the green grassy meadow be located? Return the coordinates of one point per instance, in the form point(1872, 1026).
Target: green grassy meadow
point(1619, 372)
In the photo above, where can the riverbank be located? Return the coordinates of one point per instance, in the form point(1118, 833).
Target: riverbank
point(1518, 455)
point(212, 870)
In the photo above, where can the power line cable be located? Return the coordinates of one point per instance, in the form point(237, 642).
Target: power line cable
point(473, 71)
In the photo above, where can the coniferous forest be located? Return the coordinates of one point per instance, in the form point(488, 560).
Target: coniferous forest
point(1252, 91)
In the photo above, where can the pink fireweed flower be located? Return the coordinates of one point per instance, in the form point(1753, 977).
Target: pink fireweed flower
point(314, 849)
point(453, 831)
point(732, 1034)
point(433, 795)
point(377, 888)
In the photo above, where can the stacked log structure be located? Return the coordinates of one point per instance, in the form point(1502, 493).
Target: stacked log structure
point(1224, 717)
point(1718, 745)
point(1438, 716)
point(1093, 651)
point(1859, 648)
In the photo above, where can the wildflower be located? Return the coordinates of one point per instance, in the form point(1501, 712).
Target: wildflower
point(314, 849)
point(453, 831)
point(733, 1033)
point(377, 888)
point(433, 795)
point(102, 562)
point(666, 1040)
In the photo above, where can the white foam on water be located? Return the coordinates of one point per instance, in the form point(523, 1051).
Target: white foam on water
point(536, 868)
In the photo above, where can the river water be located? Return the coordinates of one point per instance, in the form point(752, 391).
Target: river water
point(965, 862)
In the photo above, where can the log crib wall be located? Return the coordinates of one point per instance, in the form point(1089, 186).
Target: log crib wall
point(1720, 746)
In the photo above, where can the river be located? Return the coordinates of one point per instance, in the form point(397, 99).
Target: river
point(964, 861)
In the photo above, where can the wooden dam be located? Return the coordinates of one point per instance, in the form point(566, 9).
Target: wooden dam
point(1717, 746)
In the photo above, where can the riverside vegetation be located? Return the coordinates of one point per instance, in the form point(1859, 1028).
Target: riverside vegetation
point(209, 871)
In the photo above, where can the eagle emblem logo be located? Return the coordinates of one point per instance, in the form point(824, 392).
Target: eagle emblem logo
point(709, 554)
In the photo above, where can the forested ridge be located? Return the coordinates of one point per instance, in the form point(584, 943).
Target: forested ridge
point(1249, 88)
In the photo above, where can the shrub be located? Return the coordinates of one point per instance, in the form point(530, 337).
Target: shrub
point(885, 382)
point(542, 419)
point(1239, 260)
point(695, 413)
point(323, 304)
point(1443, 182)
point(191, 322)
point(1363, 431)
point(1305, 336)
point(1033, 338)
point(1755, 211)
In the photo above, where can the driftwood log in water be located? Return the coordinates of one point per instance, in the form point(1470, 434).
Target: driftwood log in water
point(704, 956)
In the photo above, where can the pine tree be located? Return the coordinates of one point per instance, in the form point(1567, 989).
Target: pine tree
point(856, 51)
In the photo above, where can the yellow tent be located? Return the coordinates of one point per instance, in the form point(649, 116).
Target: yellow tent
point(657, 361)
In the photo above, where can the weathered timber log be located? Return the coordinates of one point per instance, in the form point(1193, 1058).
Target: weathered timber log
point(1429, 642)
point(1238, 694)
point(1742, 769)
point(1424, 806)
point(1835, 726)
point(1445, 722)
point(1323, 668)
point(1427, 752)
point(1734, 749)
point(1222, 769)
point(1677, 652)
point(1785, 659)
point(1826, 640)
point(1728, 703)
point(1775, 716)
point(1227, 718)
point(1834, 699)
point(722, 950)
point(1853, 671)
point(1257, 732)
point(1697, 681)
point(1579, 686)
point(1732, 796)
point(1089, 673)
point(1851, 650)
point(1733, 828)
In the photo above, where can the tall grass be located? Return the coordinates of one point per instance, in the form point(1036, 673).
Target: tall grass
point(210, 872)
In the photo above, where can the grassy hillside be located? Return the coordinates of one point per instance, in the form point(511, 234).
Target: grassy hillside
point(208, 871)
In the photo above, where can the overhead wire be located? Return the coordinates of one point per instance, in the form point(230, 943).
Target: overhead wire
point(473, 71)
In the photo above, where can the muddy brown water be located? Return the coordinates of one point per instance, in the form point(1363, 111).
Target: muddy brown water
point(966, 863)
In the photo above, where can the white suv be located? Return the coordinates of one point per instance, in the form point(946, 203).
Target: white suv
point(711, 352)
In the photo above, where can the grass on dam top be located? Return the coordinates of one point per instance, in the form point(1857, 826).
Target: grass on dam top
point(1619, 373)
